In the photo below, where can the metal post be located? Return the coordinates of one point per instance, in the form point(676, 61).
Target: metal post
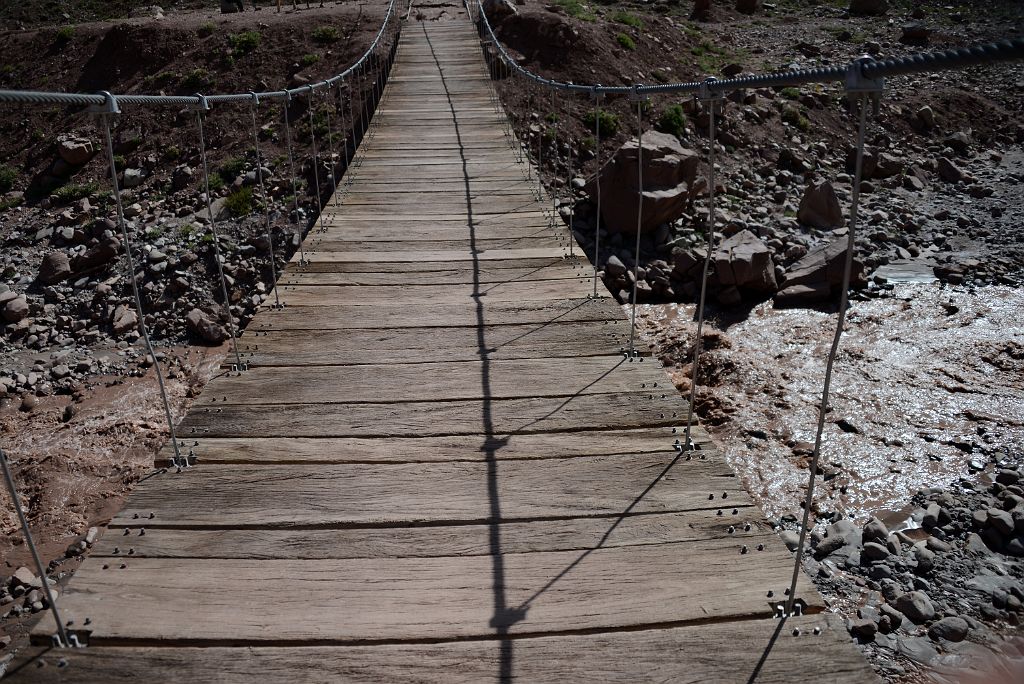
point(352, 125)
point(709, 99)
point(107, 111)
point(295, 189)
point(316, 163)
point(597, 183)
point(639, 215)
point(204, 107)
point(540, 161)
point(862, 89)
point(554, 172)
point(62, 635)
point(266, 199)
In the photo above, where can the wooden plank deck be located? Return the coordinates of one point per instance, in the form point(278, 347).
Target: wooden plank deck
point(439, 467)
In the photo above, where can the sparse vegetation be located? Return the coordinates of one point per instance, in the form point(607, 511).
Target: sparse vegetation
point(626, 18)
point(197, 79)
point(551, 118)
point(607, 123)
point(64, 35)
point(575, 9)
point(325, 35)
point(172, 152)
point(245, 42)
point(795, 117)
point(309, 60)
point(790, 93)
point(672, 120)
point(231, 169)
point(625, 41)
point(7, 177)
point(239, 203)
point(74, 192)
point(216, 182)
point(207, 29)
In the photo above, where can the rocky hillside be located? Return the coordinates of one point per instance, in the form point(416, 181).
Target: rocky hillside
point(941, 170)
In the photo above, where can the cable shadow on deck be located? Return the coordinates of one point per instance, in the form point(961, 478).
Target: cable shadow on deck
point(504, 616)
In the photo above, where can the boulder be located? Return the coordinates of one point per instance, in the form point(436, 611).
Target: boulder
point(200, 325)
point(123, 319)
point(132, 178)
point(949, 172)
point(915, 33)
point(748, 6)
point(15, 309)
point(499, 9)
point(869, 7)
point(668, 169)
point(950, 629)
point(55, 267)
point(98, 256)
point(815, 277)
point(76, 151)
point(875, 531)
point(916, 606)
point(819, 207)
point(150, 11)
point(744, 261)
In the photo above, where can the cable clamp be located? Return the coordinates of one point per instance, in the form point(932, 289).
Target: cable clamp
point(203, 105)
point(704, 92)
point(636, 96)
point(859, 86)
point(109, 106)
point(255, 98)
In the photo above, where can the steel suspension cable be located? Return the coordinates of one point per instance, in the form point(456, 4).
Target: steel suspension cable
point(316, 164)
point(218, 257)
point(833, 350)
point(710, 100)
point(639, 220)
point(266, 200)
point(597, 184)
point(295, 189)
point(62, 635)
point(179, 461)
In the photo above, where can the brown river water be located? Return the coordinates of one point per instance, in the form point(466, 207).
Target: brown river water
point(926, 381)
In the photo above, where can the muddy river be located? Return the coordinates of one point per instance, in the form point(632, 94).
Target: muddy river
point(928, 388)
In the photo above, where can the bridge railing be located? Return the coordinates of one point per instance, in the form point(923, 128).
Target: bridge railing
point(864, 82)
point(370, 71)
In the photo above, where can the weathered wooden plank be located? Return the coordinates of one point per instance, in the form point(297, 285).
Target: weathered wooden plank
point(399, 315)
point(342, 229)
point(256, 602)
point(812, 648)
point(439, 273)
point(414, 255)
point(397, 381)
point(550, 243)
point(435, 541)
point(494, 271)
point(424, 345)
point(498, 418)
point(295, 293)
point(398, 494)
point(256, 451)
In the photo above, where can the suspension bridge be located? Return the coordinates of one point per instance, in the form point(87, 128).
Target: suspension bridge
point(440, 455)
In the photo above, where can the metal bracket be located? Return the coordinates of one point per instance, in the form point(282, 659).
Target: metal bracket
point(255, 98)
point(704, 92)
point(636, 96)
point(859, 86)
point(595, 93)
point(109, 106)
point(202, 106)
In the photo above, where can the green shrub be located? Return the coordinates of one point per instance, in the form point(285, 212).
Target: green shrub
point(791, 93)
point(239, 203)
point(196, 80)
point(65, 34)
point(672, 120)
point(551, 118)
point(245, 42)
point(625, 41)
point(216, 182)
point(606, 122)
point(172, 152)
point(231, 169)
point(627, 19)
point(73, 192)
point(11, 203)
point(795, 117)
point(207, 29)
point(7, 177)
point(309, 60)
point(325, 35)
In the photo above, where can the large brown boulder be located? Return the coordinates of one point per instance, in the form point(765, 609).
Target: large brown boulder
point(818, 275)
point(744, 261)
point(747, 6)
point(819, 207)
point(200, 325)
point(55, 267)
point(669, 170)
